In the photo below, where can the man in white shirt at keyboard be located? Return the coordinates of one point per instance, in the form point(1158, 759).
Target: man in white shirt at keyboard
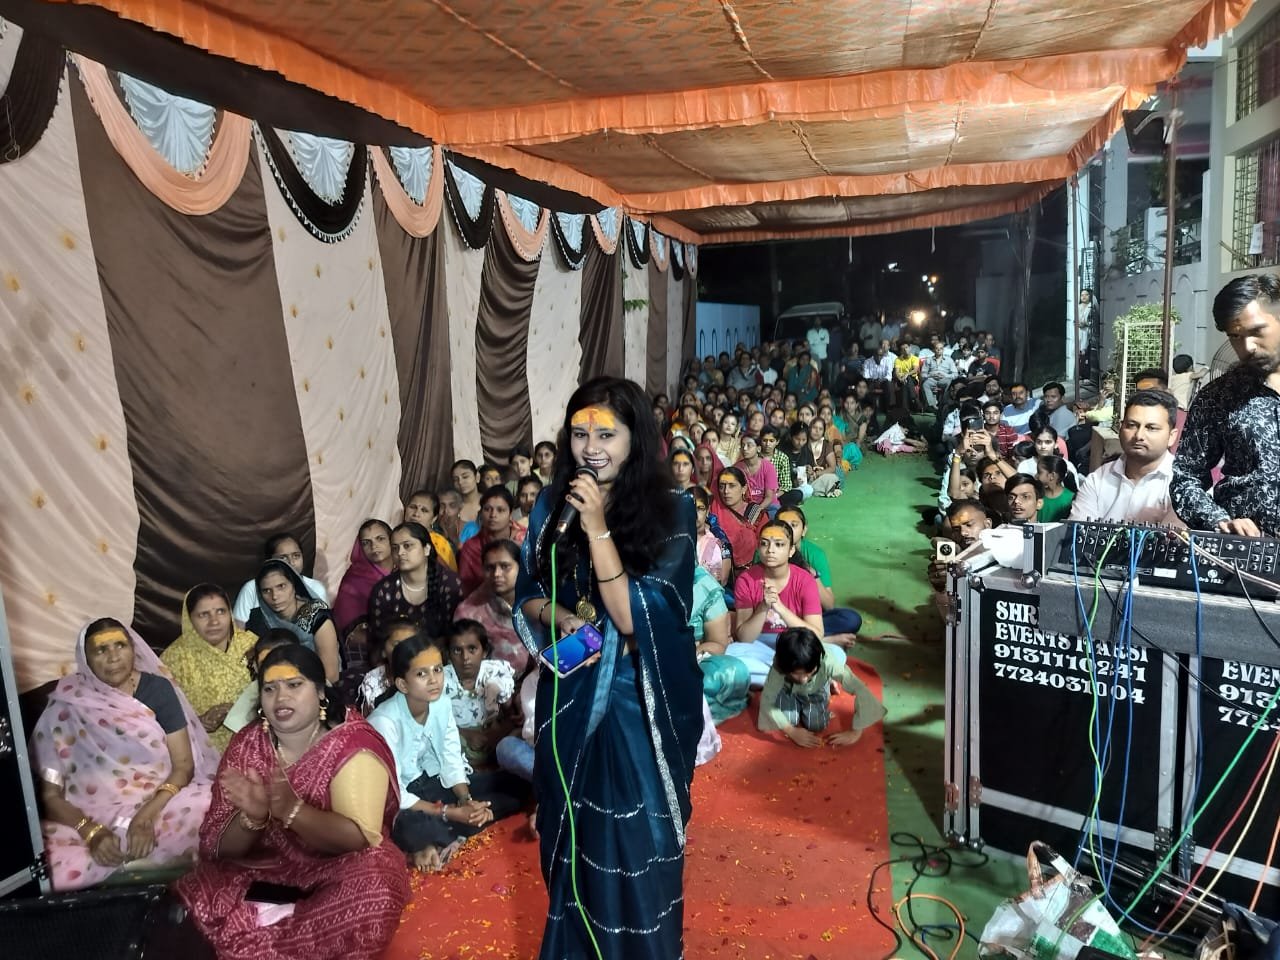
point(1134, 487)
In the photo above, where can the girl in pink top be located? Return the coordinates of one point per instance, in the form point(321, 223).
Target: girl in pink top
point(762, 475)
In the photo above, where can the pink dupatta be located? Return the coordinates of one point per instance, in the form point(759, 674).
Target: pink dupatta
point(352, 602)
point(108, 753)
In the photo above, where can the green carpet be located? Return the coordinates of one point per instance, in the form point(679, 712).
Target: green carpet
point(878, 551)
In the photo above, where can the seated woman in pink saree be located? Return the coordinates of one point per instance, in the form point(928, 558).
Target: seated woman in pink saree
point(123, 761)
point(304, 803)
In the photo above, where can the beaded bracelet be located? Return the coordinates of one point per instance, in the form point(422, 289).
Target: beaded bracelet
point(249, 823)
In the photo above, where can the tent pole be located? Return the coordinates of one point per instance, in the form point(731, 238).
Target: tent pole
point(1171, 147)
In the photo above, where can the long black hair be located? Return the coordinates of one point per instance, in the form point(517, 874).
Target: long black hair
point(423, 536)
point(640, 512)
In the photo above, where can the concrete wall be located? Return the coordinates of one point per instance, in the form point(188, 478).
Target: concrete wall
point(722, 326)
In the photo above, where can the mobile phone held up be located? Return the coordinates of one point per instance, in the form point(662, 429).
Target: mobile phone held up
point(572, 652)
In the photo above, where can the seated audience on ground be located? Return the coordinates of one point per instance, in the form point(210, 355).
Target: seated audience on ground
point(711, 552)
point(1058, 481)
point(738, 518)
point(725, 680)
point(370, 561)
point(421, 590)
point(449, 521)
point(1017, 414)
point(788, 490)
point(123, 761)
point(321, 828)
point(1003, 436)
point(796, 699)
point(901, 437)
point(1135, 486)
point(708, 465)
point(378, 680)
point(853, 421)
point(682, 469)
point(771, 596)
point(840, 625)
point(519, 466)
point(1025, 497)
point(801, 377)
point(280, 546)
point(480, 688)
point(424, 507)
point(761, 475)
point(991, 479)
point(1053, 411)
point(285, 604)
point(1047, 442)
point(207, 660)
point(496, 507)
point(544, 460)
point(244, 710)
point(490, 604)
point(466, 480)
point(814, 458)
point(727, 448)
point(515, 752)
point(527, 490)
point(966, 519)
point(490, 476)
point(442, 801)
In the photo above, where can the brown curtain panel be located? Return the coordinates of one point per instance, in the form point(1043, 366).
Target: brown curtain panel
point(655, 370)
point(197, 335)
point(600, 329)
point(502, 342)
point(413, 272)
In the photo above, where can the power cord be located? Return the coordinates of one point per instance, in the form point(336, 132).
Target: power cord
point(932, 861)
point(555, 752)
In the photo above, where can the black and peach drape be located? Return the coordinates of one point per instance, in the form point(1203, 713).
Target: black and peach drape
point(194, 361)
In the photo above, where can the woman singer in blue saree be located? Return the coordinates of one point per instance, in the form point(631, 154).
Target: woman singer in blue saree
point(627, 725)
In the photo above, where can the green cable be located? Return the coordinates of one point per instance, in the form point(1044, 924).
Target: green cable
point(555, 752)
point(1093, 688)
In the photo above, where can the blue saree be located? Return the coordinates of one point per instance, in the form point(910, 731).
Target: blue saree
point(627, 732)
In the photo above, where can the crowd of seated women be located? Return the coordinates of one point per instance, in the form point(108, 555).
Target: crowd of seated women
point(289, 743)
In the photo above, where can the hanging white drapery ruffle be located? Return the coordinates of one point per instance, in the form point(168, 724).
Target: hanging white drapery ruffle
point(470, 189)
point(526, 211)
point(179, 129)
point(323, 162)
point(413, 169)
point(572, 226)
point(677, 253)
point(10, 40)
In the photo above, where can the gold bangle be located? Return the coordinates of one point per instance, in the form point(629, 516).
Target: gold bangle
point(543, 609)
point(170, 788)
point(611, 579)
point(288, 821)
point(249, 823)
point(96, 829)
point(84, 822)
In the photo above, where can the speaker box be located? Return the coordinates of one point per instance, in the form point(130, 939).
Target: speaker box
point(115, 923)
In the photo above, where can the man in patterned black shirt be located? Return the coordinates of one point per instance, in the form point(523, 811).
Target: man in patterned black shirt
point(1235, 420)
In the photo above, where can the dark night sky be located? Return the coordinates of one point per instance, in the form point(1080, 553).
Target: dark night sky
point(851, 271)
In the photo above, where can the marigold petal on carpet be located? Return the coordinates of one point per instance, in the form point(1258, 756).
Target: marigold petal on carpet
point(781, 846)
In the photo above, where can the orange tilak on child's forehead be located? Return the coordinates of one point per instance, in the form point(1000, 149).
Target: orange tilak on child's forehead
point(594, 418)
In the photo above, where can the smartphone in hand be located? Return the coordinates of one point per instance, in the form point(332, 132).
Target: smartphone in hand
point(571, 653)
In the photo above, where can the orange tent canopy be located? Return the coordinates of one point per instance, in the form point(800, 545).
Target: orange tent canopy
point(736, 120)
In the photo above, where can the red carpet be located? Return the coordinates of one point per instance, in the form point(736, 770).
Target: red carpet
point(781, 844)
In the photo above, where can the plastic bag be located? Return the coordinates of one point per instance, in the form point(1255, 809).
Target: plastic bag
point(1054, 919)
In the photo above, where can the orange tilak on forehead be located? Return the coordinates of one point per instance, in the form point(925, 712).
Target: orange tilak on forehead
point(429, 657)
point(594, 418)
point(281, 671)
point(104, 639)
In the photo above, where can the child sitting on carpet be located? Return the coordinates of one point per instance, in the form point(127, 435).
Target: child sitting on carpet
point(377, 681)
point(481, 689)
point(797, 693)
point(901, 437)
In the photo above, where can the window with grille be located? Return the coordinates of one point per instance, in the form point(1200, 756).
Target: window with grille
point(1256, 209)
point(1258, 67)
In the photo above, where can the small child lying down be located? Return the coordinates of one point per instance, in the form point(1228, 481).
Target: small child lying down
point(797, 693)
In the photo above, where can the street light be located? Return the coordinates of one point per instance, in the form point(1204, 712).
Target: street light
point(917, 317)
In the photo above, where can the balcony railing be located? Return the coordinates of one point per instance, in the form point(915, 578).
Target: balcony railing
point(1186, 242)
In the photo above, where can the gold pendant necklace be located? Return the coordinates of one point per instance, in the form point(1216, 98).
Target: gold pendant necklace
point(586, 610)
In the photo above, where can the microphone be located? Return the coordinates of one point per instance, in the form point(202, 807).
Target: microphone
point(570, 512)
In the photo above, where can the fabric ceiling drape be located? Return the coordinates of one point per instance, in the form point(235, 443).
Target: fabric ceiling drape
point(413, 271)
point(655, 379)
point(31, 94)
point(502, 332)
point(215, 439)
point(600, 330)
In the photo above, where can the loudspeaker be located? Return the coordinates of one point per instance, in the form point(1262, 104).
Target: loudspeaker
point(115, 923)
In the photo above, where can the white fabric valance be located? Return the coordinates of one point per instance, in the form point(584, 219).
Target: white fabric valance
point(179, 129)
point(470, 189)
point(322, 161)
point(413, 168)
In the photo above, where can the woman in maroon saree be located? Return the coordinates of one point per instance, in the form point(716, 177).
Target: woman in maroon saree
point(739, 519)
point(305, 803)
